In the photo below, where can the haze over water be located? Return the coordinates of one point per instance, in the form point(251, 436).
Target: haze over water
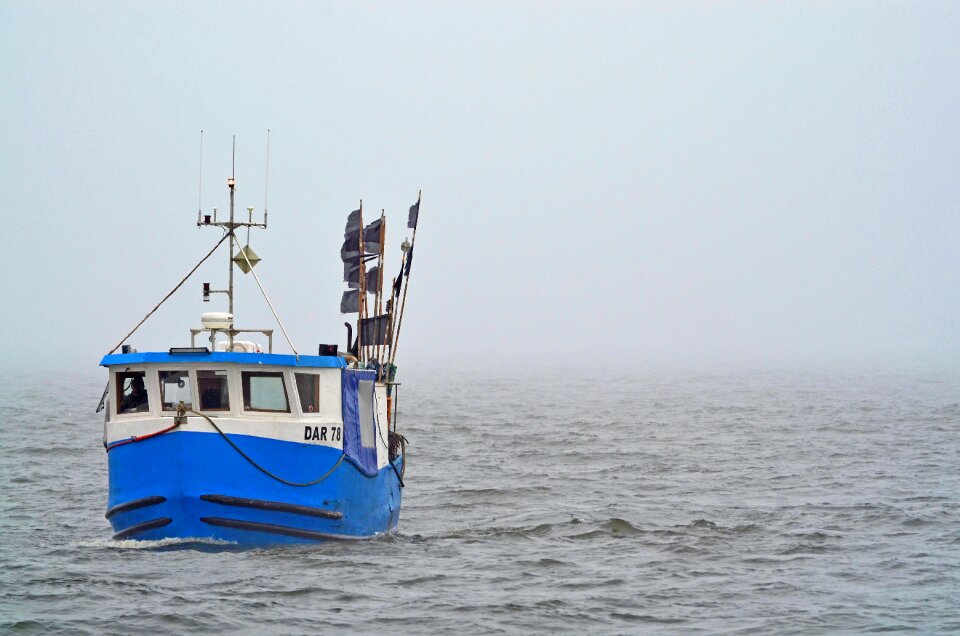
point(609, 502)
point(624, 181)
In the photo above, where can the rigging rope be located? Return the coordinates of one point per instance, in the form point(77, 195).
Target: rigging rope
point(172, 291)
point(279, 322)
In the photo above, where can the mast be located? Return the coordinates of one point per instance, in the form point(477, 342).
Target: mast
point(241, 257)
point(232, 182)
point(200, 184)
point(362, 286)
point(388, 350)
point(378, 303)
point(408, 253)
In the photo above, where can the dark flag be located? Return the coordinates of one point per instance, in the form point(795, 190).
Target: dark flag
point(409, 260)
point(373, 280)
point(349, 257)
point(350, 303)
point(353, 223)
point(376, 330)
point(350, 272)
point(350, 250)
point(371, 237)
point(352, 259)
point(351, 241)
point(397, 283)
point(414, 213)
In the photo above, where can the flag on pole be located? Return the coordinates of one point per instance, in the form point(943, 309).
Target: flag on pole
point(350, 302)
point(349, 256)
point(348, 271)
point(414, 213)
point(352, 259)
point(376, 330)
point(373, 280)
point(371, 233)
point(353, 223)
point(371, 237)
point(350, 250)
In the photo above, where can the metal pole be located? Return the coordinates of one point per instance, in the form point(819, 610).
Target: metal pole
point(362, 290)
point(232, 182)
point(396, 405)
point(266, 183)
point(379, 300)
point(403, 305)
point(393, 311)
point(200, 187)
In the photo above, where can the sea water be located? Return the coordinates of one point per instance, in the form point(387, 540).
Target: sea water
point(599, 501)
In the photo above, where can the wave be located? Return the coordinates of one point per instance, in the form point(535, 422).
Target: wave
point(572, 529)
point(195, 543)
point(577, 529)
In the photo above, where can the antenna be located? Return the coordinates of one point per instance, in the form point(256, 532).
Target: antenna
point(266, 185)
point(231, 228)
point(200, 185)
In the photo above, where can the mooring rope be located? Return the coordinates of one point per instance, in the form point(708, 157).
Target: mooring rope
point(177, 422)
point(261, 468)
point(376, 402)
point(172, 291)
point(134, 439)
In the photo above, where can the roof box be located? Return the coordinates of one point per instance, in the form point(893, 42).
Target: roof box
point(217, 320)
point(241, 346)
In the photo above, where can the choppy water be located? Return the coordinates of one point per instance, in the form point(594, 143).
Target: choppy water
point(713, 502)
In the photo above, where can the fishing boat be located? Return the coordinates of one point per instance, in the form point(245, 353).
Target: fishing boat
point(228, 440)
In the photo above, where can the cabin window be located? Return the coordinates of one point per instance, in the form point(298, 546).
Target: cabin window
point(308, 386)
point(131, 392)
point(264, 391)
point(214, 394)
point(174, 388)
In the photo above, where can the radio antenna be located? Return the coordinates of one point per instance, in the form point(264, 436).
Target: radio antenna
point(266, 185)
point(200, 185)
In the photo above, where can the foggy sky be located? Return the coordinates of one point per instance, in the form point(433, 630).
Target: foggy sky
point(602, 182)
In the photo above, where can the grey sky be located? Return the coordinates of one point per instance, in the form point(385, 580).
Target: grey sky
point(627, 181)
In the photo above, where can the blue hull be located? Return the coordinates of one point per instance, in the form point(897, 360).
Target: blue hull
point(194, 485)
